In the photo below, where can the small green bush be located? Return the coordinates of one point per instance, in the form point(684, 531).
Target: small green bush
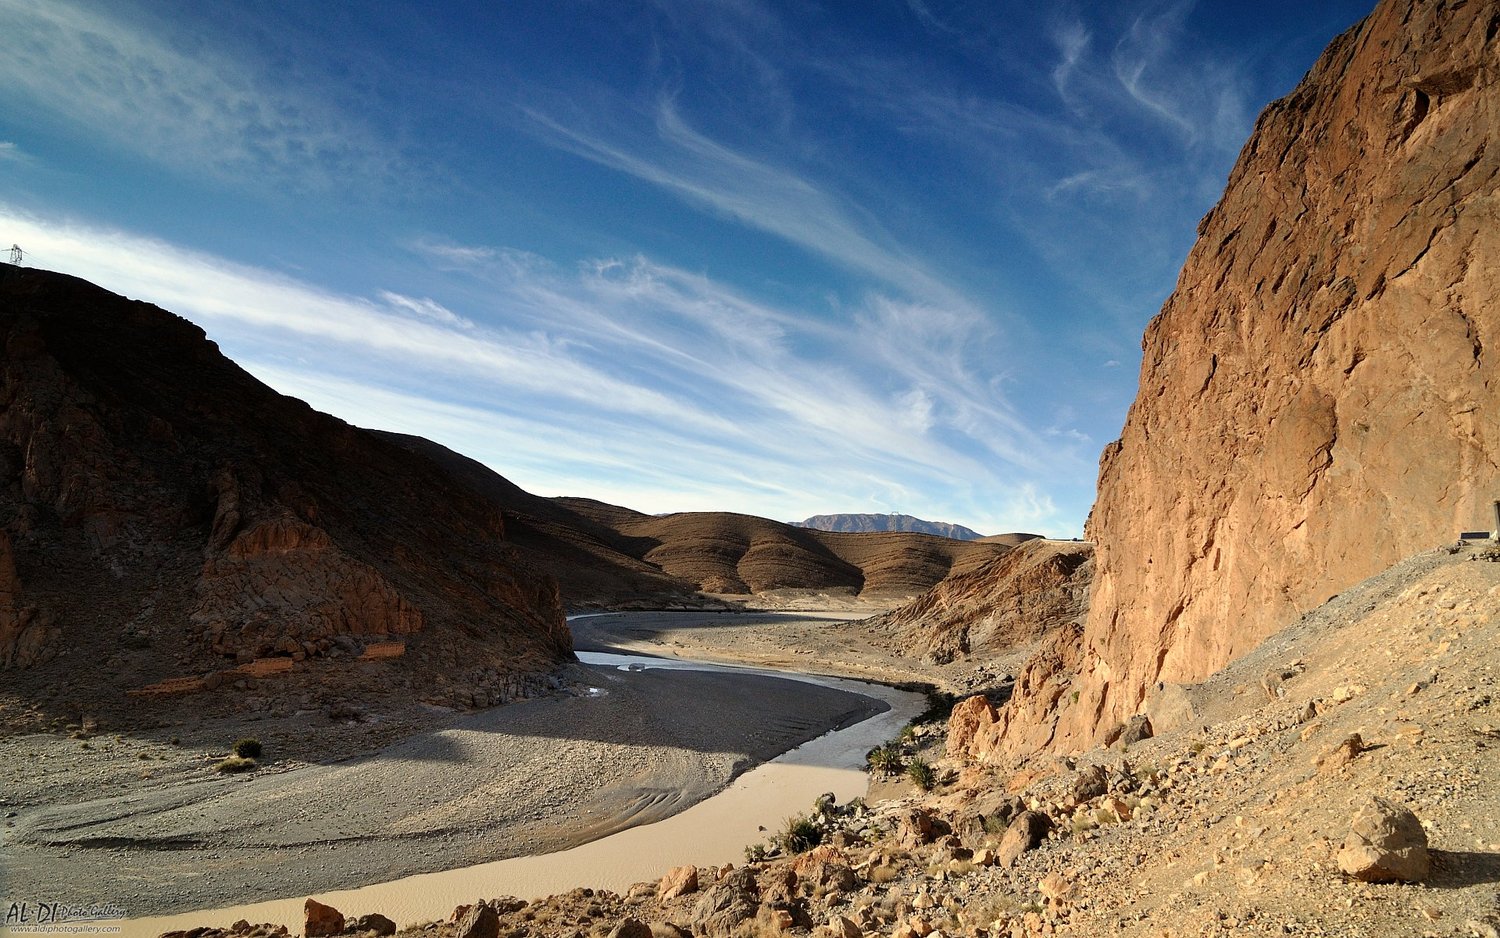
point(801, 834)
point(921, 774)
point(248, 749)
point(238, 764)
point(886, 759)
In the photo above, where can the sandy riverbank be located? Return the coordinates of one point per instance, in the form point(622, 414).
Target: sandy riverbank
point(628, 747)
point(818, 642)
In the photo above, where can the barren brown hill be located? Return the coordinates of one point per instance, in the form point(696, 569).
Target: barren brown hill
point(1319, 396)
point(727, 553)
point(1010, 540)
point(589, 558)
point(1008, 601)
point(167, 516)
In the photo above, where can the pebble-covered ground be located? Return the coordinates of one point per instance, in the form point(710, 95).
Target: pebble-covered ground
point(1232, 823)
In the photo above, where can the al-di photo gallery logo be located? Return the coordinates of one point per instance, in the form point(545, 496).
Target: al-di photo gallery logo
point(33, 917)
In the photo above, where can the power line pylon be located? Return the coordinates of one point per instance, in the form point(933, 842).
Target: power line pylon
point(16, 254)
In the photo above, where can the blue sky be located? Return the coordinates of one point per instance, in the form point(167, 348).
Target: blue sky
point(778, 258)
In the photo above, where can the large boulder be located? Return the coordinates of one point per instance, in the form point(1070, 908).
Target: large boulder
point(679, 881)
point(727, 903)
point(480, 921)
point(1025, 833)
point(1386, 844)
point(377, 923)
point(321, 920)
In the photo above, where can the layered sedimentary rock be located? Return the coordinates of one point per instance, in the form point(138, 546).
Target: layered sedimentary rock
point(1320, 395)
point(165, 513)
point(727, 553)
point(1008, 601)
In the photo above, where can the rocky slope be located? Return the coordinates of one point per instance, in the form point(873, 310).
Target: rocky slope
point(1318, 397)
point(1249, 817)
point(168, 518)
point(726, 553)
point(1009, 601)
point(850, 523)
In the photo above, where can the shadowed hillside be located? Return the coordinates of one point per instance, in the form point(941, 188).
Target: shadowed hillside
point(166, 515)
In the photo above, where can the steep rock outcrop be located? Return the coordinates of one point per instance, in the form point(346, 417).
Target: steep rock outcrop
point(1028, 721)
point(162, 511)
point(283, 586)
point(1008, 601)
point(1319, 396)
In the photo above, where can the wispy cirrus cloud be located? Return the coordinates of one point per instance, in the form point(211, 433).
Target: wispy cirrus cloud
point(263, 308)
point(755, 192)
point(625, 377)
point(87, 67)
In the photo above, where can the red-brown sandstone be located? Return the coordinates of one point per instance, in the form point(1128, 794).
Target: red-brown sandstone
point(1318, 397)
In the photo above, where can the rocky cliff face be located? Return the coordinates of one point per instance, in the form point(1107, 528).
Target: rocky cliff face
point(1320, 396)
point(164, 514)
point(1011, 600)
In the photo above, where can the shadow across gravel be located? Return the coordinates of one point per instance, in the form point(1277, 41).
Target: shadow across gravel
point(1458, 869)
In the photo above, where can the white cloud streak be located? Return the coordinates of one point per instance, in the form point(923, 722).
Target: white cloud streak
point(86, 67)
point(764, 196)
point(624, 376)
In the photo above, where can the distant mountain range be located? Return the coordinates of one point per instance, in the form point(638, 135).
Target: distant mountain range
point(856, 523)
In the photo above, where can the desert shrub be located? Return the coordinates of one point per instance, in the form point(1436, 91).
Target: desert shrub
point(238, 764)
point(885, 759)
point(882, 874)
point(755, 853)
point(801, 834)
point(921, 774)
point(248, 748)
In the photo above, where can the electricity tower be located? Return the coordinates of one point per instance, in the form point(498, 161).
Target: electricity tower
point(16, 254)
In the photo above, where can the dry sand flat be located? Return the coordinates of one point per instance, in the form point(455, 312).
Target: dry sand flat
point(531, 777)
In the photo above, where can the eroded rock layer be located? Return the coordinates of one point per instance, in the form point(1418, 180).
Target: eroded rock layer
point(1319, 397)
point(1008, 601)
point(162, 513)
